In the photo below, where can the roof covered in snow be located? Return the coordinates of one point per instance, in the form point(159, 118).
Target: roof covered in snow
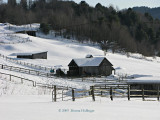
point(95, 61)
point(27, 53)
point(143, 82)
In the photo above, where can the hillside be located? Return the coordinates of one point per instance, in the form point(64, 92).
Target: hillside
point(123, 30)
point(23, 101)
point(61, 51)
point(154, 12)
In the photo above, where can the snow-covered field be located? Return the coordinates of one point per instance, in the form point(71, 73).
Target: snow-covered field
point(22, 102)
point(41, 108)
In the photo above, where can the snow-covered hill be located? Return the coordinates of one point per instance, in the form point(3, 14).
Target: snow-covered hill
point(60, 52)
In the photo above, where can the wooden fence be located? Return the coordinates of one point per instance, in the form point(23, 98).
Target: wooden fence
point(14, 78)
point(21, 40)
point(107, 90)
point(26, 71)
point(124, 90)
point(62, 93)
point(99, 79)
point(25, 64)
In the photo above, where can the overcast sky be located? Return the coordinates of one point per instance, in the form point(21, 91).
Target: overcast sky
point(121, 4)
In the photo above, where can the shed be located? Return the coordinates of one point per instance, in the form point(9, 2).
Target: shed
point(144, 84)
point(29, 32)
point(90, 66)
point(33, 55)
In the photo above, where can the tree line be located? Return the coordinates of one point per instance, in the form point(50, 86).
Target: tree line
point(124, 30)
point(153, 11)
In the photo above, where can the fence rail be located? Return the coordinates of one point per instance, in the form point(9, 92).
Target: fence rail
point(98, 80)
point(23, 41)
point(62, 93)
point(110, 91)
point(11, 77)
point(20, 40)
point(26, 71)
point(25, 63)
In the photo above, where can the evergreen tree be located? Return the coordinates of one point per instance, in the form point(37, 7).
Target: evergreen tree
point(12, 3)
point(117, 30)
point(23, 4)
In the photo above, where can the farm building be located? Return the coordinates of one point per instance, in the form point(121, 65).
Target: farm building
point(152, 85)
point(33, 55)
point(32, 33)
point(90, 66)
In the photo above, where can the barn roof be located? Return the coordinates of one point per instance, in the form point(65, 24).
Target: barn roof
point(95, 61)
point(27, 53)
point(143, 82)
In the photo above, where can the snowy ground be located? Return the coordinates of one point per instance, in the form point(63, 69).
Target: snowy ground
point(41, 108)
point(23, 102)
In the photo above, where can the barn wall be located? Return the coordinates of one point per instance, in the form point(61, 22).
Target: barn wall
point(145, 87)
point(89, 70)
point(73, 71)
point(32, 33)
point(40, 55)
point(105, 69)
point(25, 56)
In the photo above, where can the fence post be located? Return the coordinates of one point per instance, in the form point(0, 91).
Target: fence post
point(128, 92)
point(47, 74)
point(111, 93)
point(142, 92)
point(62, 94)
point(35, 84)
point(89, 92)
point(158, 93)
point(55, 93)
point(10, 68)
point(101, 92)
point(52, 94)
point(73, 97)
point(22, 80)
point(10, 77)
point(92, 92)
